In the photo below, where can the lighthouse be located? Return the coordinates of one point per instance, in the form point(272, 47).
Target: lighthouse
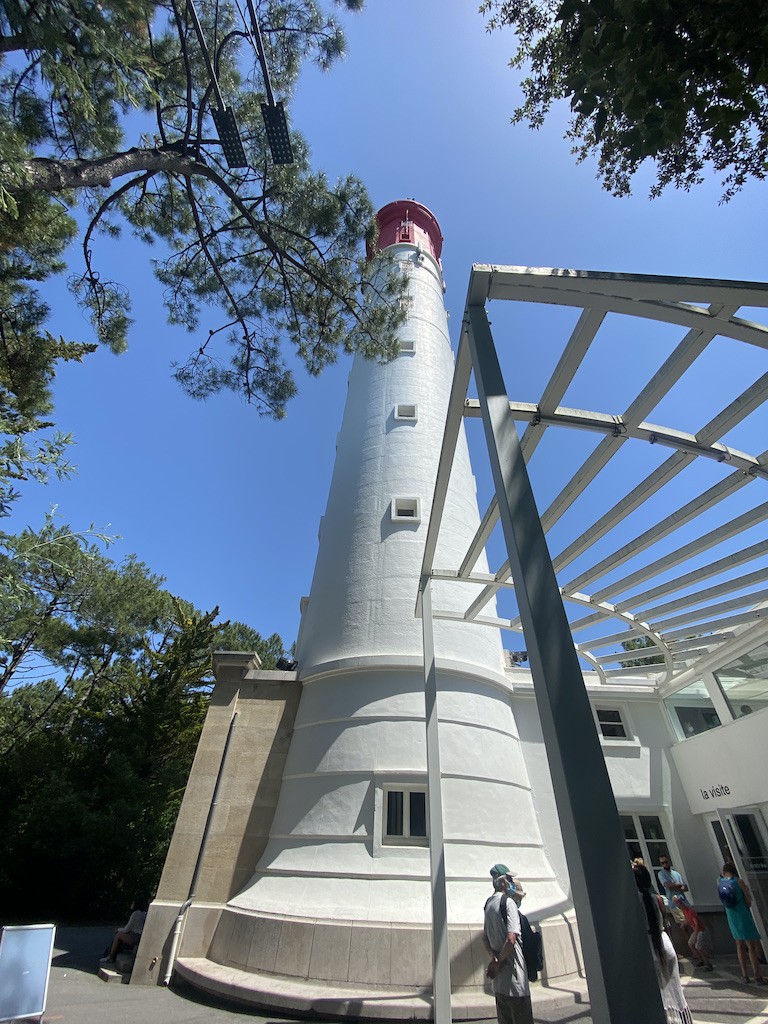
point(350, 833)
point(304, 871)
point(339, 899)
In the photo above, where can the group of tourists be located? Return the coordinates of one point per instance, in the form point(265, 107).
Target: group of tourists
point(736, 898)
point(507, 937)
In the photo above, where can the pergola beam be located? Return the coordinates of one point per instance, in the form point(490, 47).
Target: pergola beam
point(618, 427)
point(748, 554)
point(695, 547)
point(623, 989)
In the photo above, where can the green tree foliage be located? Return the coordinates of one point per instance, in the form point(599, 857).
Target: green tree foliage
point(109, 106)
point(66, 607)
point(642, 643)
point(94, 757)
point(31, 246)
point(236, 636)
point(679, 82)
point(29, 448)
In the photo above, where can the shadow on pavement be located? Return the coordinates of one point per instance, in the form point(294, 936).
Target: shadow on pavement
point(184, 991)
point(79, 949)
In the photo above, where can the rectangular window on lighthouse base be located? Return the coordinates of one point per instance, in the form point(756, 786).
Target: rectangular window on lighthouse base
point(405, 816)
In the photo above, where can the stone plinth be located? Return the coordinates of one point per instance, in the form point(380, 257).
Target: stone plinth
point(265, 703)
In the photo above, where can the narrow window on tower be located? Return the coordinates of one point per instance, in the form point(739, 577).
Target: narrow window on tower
point(407, 345)
point(405, 816)
point(406, 510)
point(410, 413)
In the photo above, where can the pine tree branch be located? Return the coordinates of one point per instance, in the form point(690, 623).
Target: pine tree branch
point(11, 44)
point(43, 174)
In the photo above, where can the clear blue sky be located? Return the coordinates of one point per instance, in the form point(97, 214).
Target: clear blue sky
point(226, 505)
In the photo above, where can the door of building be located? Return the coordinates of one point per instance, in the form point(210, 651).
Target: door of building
point(746, 836)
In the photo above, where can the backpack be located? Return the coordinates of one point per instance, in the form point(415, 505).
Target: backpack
point(533, 951)
point(728, 891)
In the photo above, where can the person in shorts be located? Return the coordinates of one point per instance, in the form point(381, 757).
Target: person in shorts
point(128, 936)
point(698, 943)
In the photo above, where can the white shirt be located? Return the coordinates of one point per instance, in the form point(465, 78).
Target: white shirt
point(512, 979)
point(136, 922)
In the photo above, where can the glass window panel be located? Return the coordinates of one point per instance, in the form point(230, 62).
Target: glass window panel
point(755, 857)
point(608, 715)
point(394, 813)
point(634, 848)
point(656, 851)
point(611, 723)
point(693, 710)
point(417, 814)
point(722, 842)
point(745, 682)
point(613, 732)
point(651, 826)
point(628, 824)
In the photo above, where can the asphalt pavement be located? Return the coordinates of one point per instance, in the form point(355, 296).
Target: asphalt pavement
point(76, 994)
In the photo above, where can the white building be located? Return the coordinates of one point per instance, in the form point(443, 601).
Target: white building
point(312, 880)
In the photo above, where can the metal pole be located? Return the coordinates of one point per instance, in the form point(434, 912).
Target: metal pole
point(441, 962)
point(206, 56)
point(620, 972)
point(259, 44)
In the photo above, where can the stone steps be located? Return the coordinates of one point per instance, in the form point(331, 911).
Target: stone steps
point(300, 996)
point(107, 972)
point(120, 970)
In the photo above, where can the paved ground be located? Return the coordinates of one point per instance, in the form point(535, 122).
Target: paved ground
point(77, 996)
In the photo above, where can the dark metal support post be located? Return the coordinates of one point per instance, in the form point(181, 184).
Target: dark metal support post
point(441, 963)
point(620, 973)
point(273, 113)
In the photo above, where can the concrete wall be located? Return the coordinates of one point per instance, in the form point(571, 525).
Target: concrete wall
point(358, 732)
point(372, 954)
point(266, 704)
point(728, 766)
point(646, 778)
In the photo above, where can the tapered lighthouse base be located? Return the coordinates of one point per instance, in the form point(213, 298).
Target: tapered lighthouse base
point(361, 970)
point(301, 959)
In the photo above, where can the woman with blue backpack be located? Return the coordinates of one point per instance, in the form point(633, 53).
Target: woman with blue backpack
point(737, 899)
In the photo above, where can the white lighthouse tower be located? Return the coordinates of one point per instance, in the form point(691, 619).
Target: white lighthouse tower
point(350, 834)
point(340, 897)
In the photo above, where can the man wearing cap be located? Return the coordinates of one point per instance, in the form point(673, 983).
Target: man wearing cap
point(502, 940)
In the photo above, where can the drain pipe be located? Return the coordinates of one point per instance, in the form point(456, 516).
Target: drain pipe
point(178, 927)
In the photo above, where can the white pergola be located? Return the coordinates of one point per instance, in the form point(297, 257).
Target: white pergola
point(692, 581)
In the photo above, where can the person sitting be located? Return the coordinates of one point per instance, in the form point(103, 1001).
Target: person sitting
point(128, 936)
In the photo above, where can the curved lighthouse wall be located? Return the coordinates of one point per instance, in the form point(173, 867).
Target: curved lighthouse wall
point(367, 570)
point(360, 725)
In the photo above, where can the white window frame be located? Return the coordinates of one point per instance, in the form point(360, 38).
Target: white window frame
point(402, 502)
point(406, 839)
point(407, 346)
point(403, 414)
point(643, 842)
point(629, 735)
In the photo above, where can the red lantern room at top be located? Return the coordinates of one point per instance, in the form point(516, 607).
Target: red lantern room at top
point(406, 221)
